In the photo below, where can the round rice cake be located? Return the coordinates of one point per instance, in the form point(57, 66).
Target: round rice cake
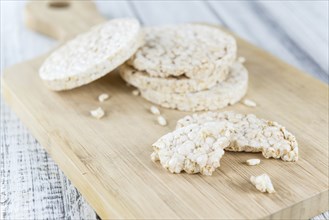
point(251, 134)
point(180, 84)
point(221, 95)
point(193, 149)
point(192, 50)
point(91, 55)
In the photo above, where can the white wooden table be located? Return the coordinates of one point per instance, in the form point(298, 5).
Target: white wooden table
point(33, 187)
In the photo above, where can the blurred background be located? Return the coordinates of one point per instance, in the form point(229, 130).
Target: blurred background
point(32, 186)
point(296, 31)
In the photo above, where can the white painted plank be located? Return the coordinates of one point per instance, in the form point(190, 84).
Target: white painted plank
point(171, 12)
point(248, 25)
point(114, 9)
point(253, 23)
point(32, 186)
point(313, 41)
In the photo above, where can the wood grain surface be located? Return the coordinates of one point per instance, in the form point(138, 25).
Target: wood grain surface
point(29, 156)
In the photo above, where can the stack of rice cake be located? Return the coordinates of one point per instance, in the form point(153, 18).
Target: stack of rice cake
point(188, 67)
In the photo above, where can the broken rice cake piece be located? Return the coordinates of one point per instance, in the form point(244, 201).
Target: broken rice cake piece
point(262, 183)
point(251, 134)
point(193, 149)
point(253, 162)
point(97, 113)
point(161, 120)
point(103, 97)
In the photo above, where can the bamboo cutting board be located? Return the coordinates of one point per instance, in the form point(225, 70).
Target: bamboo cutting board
point(109, 162)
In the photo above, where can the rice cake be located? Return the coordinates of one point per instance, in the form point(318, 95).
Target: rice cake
point(170, 84)
point(91, 55)
point(223, 94)
point(190, 50)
